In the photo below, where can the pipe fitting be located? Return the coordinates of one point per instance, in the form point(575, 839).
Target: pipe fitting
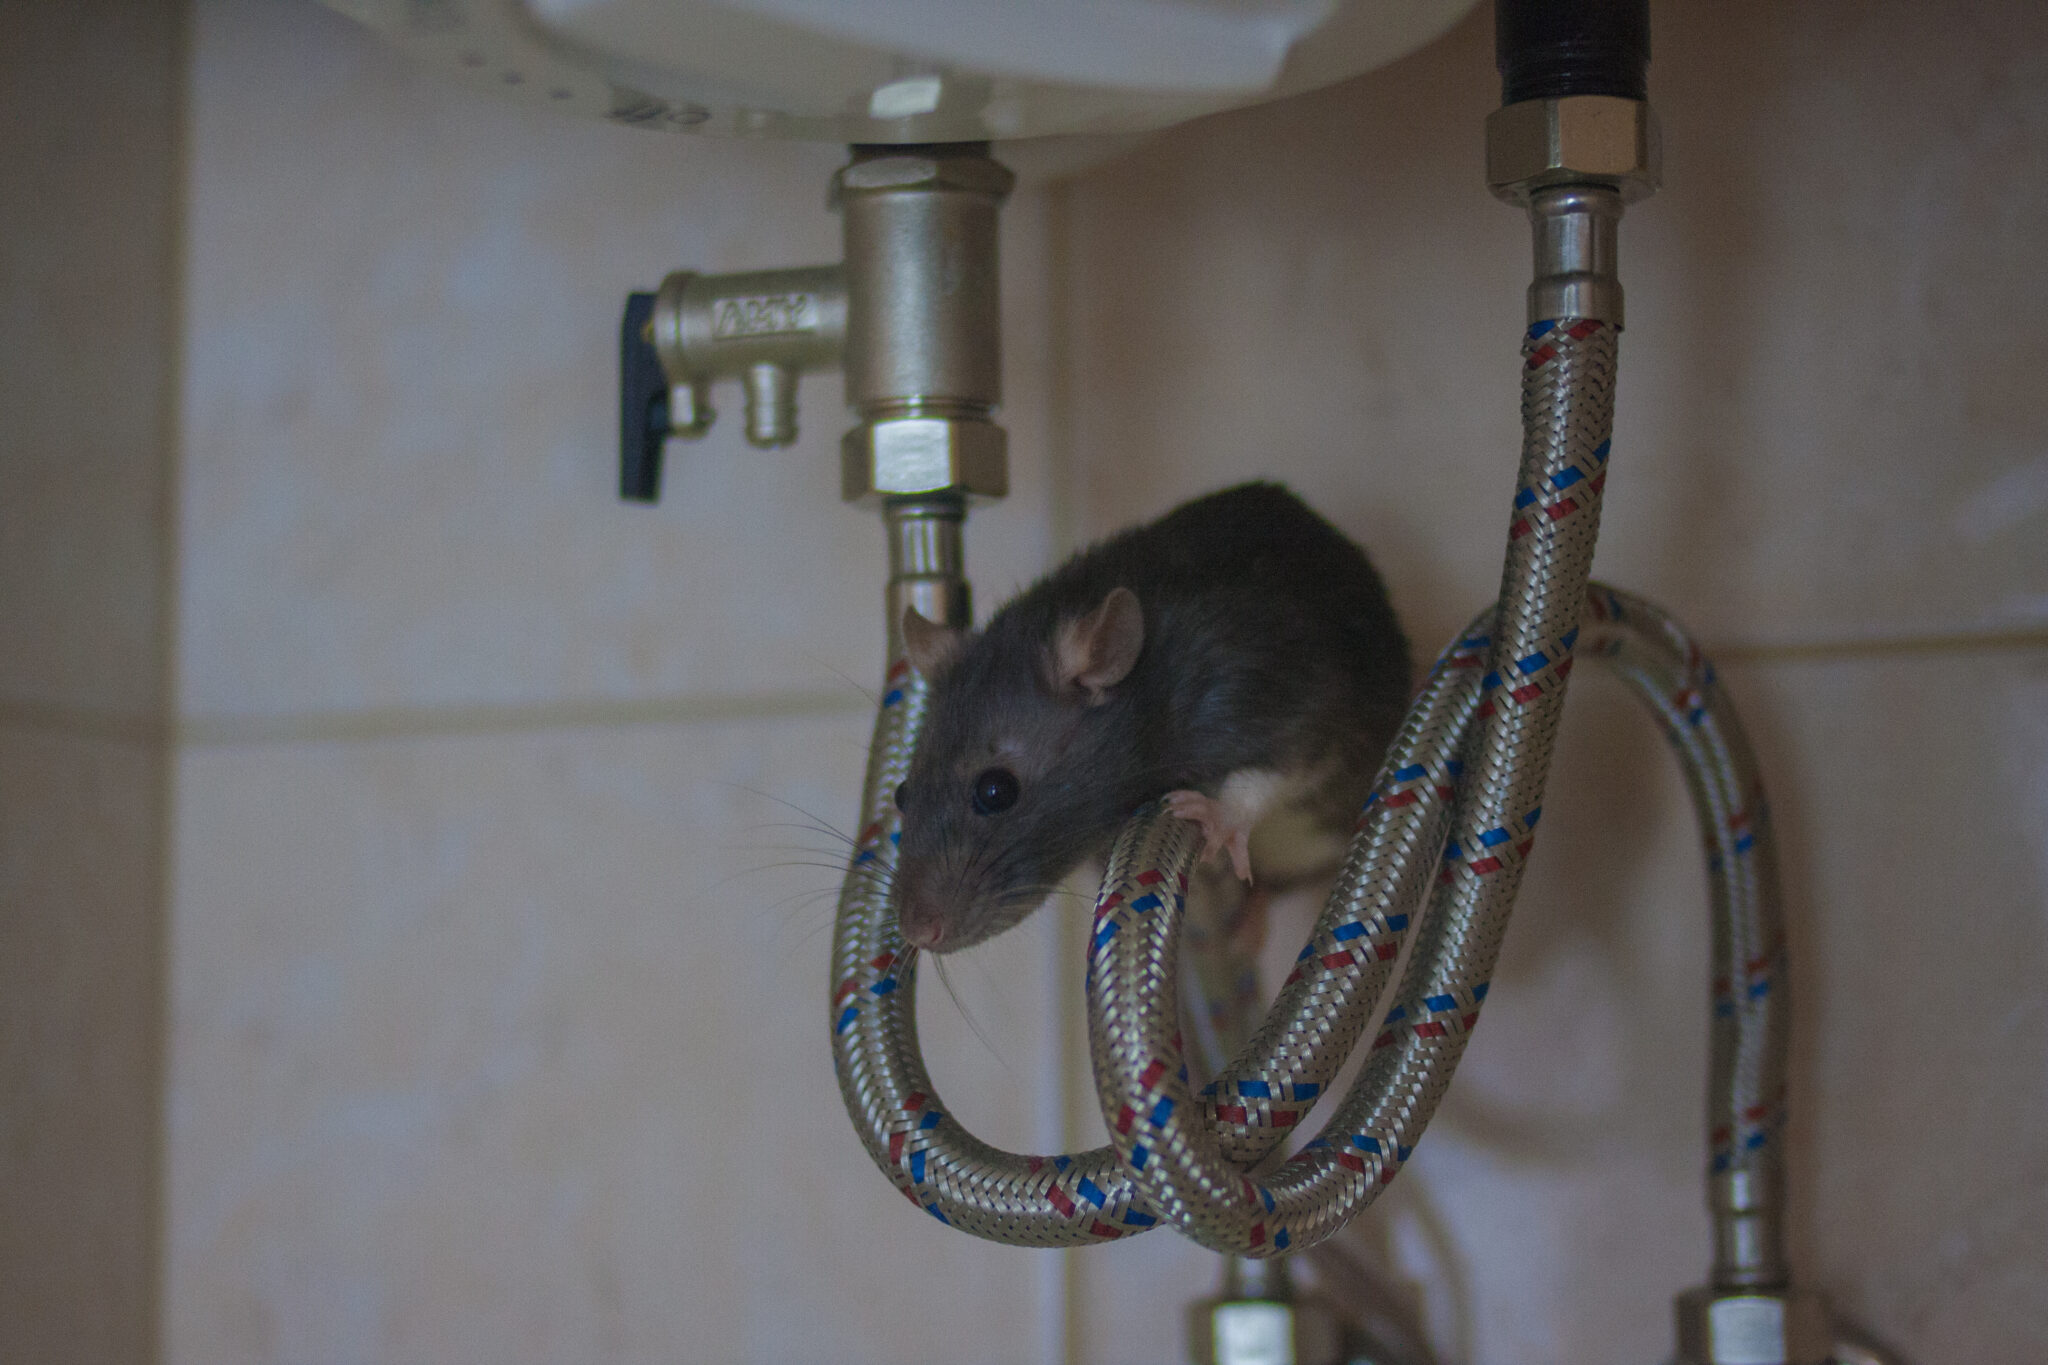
point(1263, 1332)
point(916, 454)
point(923, 339)
point(1576, 140)
point(923, 296)
point(764, 327)
point(1575, 232)
point(1259, 1319)
point(1749, 1236)
point(1546, 50)
point(949, 166)
point(926, 563)
point(1753, 1327)
point(770, 391)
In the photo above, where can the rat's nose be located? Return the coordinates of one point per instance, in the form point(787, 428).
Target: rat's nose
point(922, 925)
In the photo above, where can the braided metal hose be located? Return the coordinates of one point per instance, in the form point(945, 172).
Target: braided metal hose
point(1747, 1035)
point(1449, 825)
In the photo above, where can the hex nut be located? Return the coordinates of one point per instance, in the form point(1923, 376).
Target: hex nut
point(1577, 140)
point(920, 172)
point(1761, 1327)
point(904, 455)
point(1225, 1331)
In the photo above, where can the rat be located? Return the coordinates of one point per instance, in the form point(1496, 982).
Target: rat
point(1237, 659)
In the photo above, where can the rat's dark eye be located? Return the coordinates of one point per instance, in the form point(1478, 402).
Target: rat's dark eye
point(995, 790)
point(901, 787)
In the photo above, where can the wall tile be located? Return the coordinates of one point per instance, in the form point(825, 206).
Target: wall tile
point(401, 404)
point(1824, 433)
point(81, 841)
point(1827, 425)
point(89, 119)
point(1555, 1206)
point(88, 111)
point(1914, 795)
point(476, 1054)
point(513, 1048)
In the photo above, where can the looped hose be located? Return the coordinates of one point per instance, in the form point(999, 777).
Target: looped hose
point(1439, 852)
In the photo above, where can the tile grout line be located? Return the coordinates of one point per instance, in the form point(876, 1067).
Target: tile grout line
point(400, 722)
point(44, 718)
point(1816, 651)
point(1061, 1302)
point(397, 722)
point(405, 722)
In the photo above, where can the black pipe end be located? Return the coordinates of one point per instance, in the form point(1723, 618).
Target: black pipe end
point(1551, 49)
point(868, 151)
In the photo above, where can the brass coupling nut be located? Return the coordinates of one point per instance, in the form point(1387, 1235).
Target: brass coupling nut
point(917, 171)
point(1576, 140)
point(1753, 1327)
point(899, 456)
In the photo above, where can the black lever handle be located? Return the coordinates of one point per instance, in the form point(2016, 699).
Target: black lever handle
point(643, 405)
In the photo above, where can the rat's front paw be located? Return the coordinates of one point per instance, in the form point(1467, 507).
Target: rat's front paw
point(1219, 830)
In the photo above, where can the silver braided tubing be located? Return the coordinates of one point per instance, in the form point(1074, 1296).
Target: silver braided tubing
point(1750, 1020)
point(1183, 1156)
point(1567, 415)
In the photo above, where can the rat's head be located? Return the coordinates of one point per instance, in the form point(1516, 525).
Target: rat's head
point(1021, 770)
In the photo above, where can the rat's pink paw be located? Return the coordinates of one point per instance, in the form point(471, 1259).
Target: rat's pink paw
point(1219, 832)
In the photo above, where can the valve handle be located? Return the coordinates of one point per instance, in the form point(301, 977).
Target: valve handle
point(643, 405)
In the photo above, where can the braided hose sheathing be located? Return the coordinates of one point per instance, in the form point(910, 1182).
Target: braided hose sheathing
point(1180, 1168)
point(1750, 1019)
point(1567, 408)
point(1183, 1156)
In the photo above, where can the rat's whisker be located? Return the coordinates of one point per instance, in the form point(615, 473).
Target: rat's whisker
point(808, 826)
point(797, 912)
point(834, 856)
point(974, 1026)
point(821, 825)
point(762, 869)
point(873, 698)
point(1050, 890)
point(791, 905)
point(830, 838)
point(822, 864)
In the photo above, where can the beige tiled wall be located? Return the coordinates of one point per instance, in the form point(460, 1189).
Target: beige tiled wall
point(401, 356)
point(509, 1047)
point(89, 107)
point(496, 958)
point(88, 120)
point(81, 853)
point(1832, 460)
point(501, 901)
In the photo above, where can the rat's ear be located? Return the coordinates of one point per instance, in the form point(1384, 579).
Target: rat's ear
point(930, 647)
point(1095, 652)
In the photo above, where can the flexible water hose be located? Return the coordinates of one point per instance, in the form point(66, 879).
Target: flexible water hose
point(1439, 853)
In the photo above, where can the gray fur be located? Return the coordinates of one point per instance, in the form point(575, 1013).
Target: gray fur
point(1268, 643)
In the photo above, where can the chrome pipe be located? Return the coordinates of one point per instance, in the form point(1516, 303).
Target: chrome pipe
point(927, 565)
point(1575, 231)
